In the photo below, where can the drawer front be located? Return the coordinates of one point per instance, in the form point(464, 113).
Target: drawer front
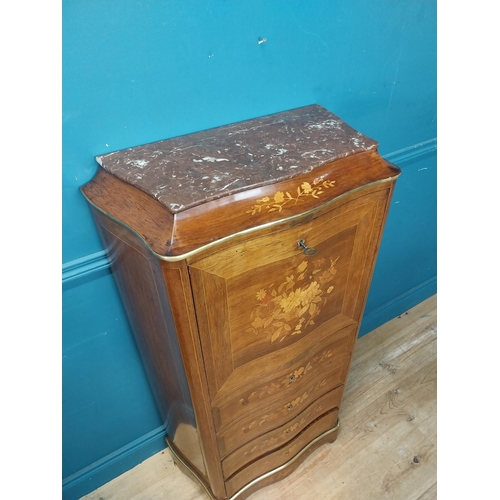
point(278, 437)
point(282, 455)
point(279, 412)
point(292, 379)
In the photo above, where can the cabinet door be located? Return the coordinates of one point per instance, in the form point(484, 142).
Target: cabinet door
point(273, 320)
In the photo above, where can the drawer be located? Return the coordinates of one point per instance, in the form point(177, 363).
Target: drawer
point(292, 379)
point(282, 455)
point(278, 437)
point(279, 411)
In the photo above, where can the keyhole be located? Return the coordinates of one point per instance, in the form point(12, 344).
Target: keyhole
point(308, 251)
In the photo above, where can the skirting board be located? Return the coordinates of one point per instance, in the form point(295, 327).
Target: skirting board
point(397, 306)
point(113, 465)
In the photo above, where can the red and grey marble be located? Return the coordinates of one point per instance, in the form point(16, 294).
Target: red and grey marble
point(189, 170)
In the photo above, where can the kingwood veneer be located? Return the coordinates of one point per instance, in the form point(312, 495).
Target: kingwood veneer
point(244, 255)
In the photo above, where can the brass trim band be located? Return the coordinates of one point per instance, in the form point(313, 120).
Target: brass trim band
point(193, 473)
point(176, 258)
point(258, 479)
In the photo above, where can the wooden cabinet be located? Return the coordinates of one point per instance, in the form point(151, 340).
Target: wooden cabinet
point(244, 255)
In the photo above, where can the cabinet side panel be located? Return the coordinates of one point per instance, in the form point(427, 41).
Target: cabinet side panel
point(178, 283)
point(140, 282)
point(372, 241)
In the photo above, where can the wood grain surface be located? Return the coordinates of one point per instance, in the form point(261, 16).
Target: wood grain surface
point(386, 446)
point(245, 339)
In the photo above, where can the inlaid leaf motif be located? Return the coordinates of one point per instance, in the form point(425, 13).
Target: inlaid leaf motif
point(284, 410)
point(276, 334)
point(274, 388)
point(280, 199)
point(289, 308)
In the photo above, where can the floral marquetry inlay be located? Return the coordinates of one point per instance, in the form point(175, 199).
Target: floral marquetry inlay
point(280, 199)
point(283, 410)
point(292, 377)
point(288, 308)
point(272, 441)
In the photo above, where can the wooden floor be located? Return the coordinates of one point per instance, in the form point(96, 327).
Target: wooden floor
point(386, 447)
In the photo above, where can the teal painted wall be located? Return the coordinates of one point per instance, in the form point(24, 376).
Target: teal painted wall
point(138, 71)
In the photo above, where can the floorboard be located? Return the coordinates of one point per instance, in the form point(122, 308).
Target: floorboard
point(386, 447)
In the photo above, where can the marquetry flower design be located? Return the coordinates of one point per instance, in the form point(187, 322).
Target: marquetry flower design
point(280, 199)
point(283, 410)
point(275, 439)
point(275, 387)
point(290, 307)
point(285, 434)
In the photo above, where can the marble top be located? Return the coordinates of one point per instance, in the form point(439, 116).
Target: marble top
point(192, 169)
